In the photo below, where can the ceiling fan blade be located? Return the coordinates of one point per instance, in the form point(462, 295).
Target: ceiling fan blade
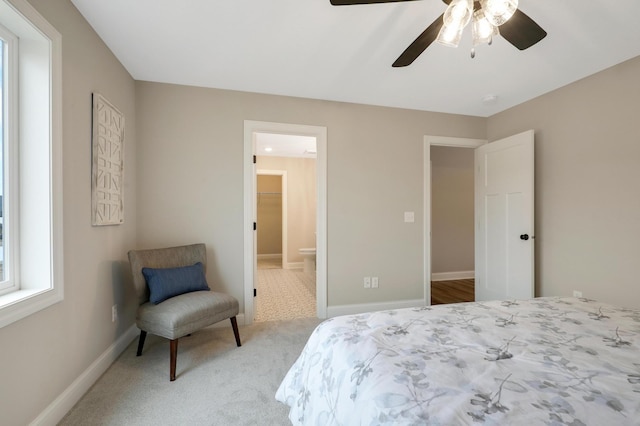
point(350, 2)
point(522, 31)
point(419, 45)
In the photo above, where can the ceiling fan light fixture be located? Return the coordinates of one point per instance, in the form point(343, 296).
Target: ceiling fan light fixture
point(450, 35)
point(483, 31)
point(455, 19)
point(458, 12)
point(498, 11)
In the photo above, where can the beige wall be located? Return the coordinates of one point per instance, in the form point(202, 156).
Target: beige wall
point(44, 353)
point(587, 184)
point(191, 147)
point(269, 214)
point(452, 209)
point(183, 183)
point(301, 201)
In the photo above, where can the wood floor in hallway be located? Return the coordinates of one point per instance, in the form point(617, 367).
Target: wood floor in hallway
point(454, 291)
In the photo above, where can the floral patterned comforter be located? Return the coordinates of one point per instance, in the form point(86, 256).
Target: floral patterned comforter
point(541, 361)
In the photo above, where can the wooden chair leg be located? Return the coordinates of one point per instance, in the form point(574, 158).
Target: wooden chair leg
point(173, 354)
point(143, 335)
point(234, 324)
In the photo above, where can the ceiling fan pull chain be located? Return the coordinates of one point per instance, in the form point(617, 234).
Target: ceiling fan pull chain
point(473, 52)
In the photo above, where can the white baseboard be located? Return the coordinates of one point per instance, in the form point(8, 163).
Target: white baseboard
point(270, 256)
point(67, 399)
point(294, 265)
point(334, 311)
point(459, 275)
point(76, 390)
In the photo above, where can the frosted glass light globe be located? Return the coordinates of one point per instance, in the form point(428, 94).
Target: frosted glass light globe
point(498, 11)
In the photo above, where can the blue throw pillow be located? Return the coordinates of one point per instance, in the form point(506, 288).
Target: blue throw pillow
point(169, 282)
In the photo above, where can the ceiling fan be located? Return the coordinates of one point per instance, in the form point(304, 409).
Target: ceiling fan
point(490, 18)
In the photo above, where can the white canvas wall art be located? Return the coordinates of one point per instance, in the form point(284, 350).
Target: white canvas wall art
point(108, 165)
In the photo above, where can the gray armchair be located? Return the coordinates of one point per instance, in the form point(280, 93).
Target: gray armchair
point(179, 315)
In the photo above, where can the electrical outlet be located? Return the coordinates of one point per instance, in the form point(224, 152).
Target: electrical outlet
point(367, 282)
point(577, 293)
point(114, 313)
point(374, 282)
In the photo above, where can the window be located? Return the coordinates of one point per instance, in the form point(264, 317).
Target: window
point(8, 71)
point(30, 162)
point(3, 84)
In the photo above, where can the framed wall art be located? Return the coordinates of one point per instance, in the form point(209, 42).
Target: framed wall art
point(107, 200)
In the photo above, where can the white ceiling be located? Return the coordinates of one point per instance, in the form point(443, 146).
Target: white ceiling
point(274, 145)
point(308, 48)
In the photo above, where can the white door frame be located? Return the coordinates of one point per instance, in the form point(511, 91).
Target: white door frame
point(283, 186)
point(320, 133)
point(430, 141)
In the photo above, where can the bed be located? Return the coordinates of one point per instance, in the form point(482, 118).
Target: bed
point(540, 361)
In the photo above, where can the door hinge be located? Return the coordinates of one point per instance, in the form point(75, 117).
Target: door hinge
point(255, 292)
point(254, 159)
point(255, 226)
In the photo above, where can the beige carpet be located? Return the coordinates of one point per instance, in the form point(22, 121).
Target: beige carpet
point(283, 294)
point(217, 383)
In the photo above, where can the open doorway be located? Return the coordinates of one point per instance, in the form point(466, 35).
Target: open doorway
point(296, 254)
point(449, 226)
point(286, 227)
point(452, 230)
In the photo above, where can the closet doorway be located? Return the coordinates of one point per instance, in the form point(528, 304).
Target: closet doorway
point(271, 213)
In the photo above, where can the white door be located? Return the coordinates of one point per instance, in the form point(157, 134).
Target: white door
point(504, 219)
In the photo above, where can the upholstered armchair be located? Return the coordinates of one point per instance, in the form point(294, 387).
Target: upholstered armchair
point(174, 297)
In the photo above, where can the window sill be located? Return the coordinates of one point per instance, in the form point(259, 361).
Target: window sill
point(16, 296)
point(20, 304)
